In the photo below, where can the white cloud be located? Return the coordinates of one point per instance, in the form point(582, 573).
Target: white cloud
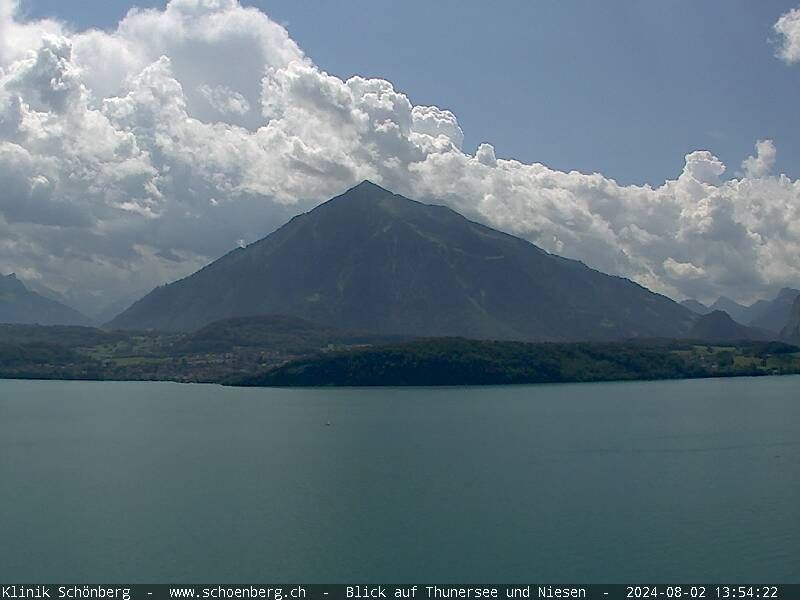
point(788, 29)
point(485, 155)
point(212, 45)
point(433, 121)
point(224, 100)
point(680, 270)
point(761, 164)
point(16, 38)
point(132, 157)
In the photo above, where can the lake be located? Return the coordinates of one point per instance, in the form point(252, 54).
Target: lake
point(678, 481)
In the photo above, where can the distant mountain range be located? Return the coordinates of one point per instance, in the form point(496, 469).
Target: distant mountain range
point(774, 314)
point(696, 307)
point(18, 304)
point(771, 315)
point(791, 332)
point(370, 260)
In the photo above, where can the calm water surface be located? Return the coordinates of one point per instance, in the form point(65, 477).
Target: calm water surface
point(151, 482)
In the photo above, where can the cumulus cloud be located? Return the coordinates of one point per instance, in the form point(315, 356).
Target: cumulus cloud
point(485, 155)
point(225, 101)
point(761, 164)
point(787, 28)
point(17, 38)
point(433, 121)
point(132, 157)
point(681, 270)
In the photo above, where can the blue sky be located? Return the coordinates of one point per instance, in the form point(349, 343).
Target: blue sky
point(626, 88)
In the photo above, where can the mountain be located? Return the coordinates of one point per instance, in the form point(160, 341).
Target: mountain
point(737, 311)
point(696, 307)
point(774, 314)
point(791, 331)
point(370, 260)
point(718, 326)
point(769, 315)
point(18, 304)
point(111, 310)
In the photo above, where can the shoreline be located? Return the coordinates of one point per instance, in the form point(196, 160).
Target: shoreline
point(410, 386)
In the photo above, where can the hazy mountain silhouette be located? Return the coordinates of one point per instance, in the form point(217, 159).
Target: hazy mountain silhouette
point(18, 304)
point(720, 327)
point(791, 331)
point(738, 312)
point(370, 260)
point(769, 315)
point(774, 314)
point(696, 306)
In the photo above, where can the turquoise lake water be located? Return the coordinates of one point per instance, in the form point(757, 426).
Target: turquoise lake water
point(679, 481)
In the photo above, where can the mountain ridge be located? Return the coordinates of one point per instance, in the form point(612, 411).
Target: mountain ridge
point(20, 305)
point(719, 326)
point(371, 260)
point(769, 315)
point(791, 331)
point(696, 306)
point(774, 314)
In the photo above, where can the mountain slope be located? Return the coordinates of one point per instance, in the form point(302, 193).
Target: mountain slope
point(791, 331)
point(271, 332)
point(718, 326)
point(769, 315)
point(369, 260)
point(737, 312)
point(696, 307)
point(18, 304)
point(774, 314)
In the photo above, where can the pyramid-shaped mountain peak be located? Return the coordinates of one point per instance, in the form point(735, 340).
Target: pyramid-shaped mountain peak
point(366, 184)
point(365, 190)
point(370, 260)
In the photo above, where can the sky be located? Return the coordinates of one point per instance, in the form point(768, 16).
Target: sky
point(625, 92)
point(658, 141)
